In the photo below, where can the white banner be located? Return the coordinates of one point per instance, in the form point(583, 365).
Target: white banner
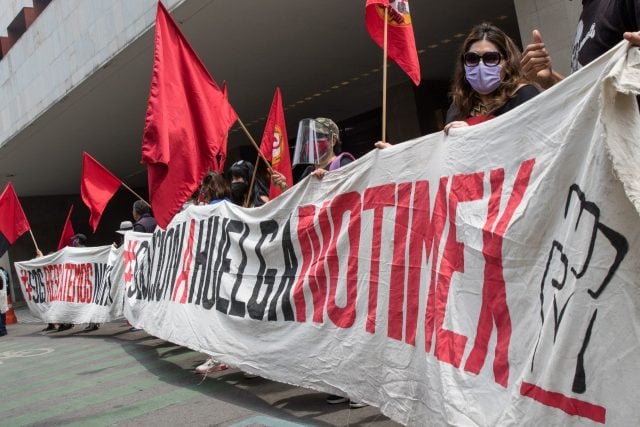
point(488, 277)
point(74, 285)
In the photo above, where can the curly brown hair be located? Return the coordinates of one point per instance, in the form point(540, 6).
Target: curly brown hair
point(462, 94)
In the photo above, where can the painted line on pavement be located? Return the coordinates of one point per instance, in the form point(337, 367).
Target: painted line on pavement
point(265, 421)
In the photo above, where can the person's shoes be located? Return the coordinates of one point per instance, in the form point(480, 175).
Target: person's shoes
point(92, 327)
point(50, 327)
point(2, 334)
point(356, 405)
point(64, 326)
point(334, 399)
point(211, 365)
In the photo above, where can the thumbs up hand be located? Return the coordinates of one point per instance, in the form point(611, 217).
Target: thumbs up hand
point(536, 63)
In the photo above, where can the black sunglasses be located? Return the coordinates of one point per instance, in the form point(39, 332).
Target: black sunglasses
point(490, 59)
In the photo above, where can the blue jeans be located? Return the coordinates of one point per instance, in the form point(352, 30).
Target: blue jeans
point(3, 330)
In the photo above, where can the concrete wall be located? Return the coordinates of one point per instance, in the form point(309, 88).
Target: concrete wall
point(556, 20)
point(64, 46)
point(8, 11)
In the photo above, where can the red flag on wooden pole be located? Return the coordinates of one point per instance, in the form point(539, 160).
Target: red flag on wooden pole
point(67, 231)
point(275, 145)
point(97, 187)
point(13, 221)
point(188, 118)
point(401, 41)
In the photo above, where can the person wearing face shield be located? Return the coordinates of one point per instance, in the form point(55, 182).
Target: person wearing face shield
point(488, 79)
point(316, 145)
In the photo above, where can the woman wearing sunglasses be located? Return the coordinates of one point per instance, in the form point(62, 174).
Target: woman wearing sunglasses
point(488, 79)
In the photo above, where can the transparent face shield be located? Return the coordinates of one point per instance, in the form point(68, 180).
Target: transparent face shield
point(313, 143)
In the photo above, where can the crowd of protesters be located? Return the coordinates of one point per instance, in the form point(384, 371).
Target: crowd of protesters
point(490, 77)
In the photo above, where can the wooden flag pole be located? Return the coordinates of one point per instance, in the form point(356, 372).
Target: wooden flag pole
point(134, 193)
point(384, 78)
point(253, 181)
point(255, 145)
point(34, 241)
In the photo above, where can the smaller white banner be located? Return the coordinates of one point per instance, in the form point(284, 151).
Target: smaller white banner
point(74, 285)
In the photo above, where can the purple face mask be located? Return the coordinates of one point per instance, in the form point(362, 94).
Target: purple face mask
point(483, 79)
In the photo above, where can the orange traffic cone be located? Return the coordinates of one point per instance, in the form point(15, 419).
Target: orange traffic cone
point(10, 315)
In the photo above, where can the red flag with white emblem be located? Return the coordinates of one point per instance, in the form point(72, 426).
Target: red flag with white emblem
point(275, 145)
point(401, 43)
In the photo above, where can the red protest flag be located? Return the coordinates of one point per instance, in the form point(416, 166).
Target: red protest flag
point(275, 145)
point(13, 221)
point(221, 156)
point(67, 231)
point(401, 43)
point(97, 187)
point(188, 118)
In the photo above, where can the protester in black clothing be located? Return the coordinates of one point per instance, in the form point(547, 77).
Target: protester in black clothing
point(240, 174)
point(78, 240)
point(144, 221)
point(602, 25)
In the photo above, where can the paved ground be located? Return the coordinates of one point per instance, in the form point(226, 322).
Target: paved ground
point(113, 376)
